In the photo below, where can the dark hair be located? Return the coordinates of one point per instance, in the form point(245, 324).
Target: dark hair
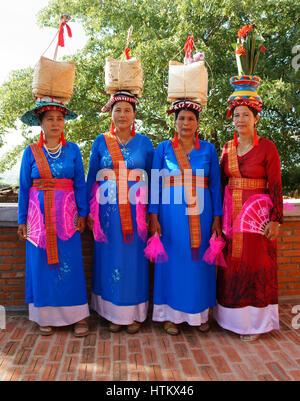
point(42, 115)
point(255, 112)
point(196, 113)
point(132, 104)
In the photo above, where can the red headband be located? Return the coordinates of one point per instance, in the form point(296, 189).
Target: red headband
point(185, 104)
point(245, 102)
point(47, 108)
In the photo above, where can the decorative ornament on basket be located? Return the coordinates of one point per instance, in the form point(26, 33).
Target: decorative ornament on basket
point(247, 50)
point(55, 78)
point(125, 74)
point(188, 80)
point(52, 84)
point(255, 215)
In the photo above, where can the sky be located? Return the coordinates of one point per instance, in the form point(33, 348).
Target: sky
point(22, 42)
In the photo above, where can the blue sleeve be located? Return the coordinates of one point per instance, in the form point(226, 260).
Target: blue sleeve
point(215, 183)
point(156, 186)
point(94, 166)
point(79, 184)
point(25, 183)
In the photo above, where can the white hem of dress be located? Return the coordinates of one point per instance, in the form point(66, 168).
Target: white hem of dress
point(247, 320)
point(123, 315)
point(58, 316)
point(164, 313)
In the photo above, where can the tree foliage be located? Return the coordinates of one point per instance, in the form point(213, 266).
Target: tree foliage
point(161, 28)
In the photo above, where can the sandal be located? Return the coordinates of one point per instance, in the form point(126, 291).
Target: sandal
point(249, 337)
point(81, 329)
point(114, 328)
point(46, 330)
point(204, 327)
point(171, 328)
point(133, 327)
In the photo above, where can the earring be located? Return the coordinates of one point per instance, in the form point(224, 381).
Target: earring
point(133, 129)
point(235, 138)
point(112, 128)
point(175, 140)
point(197, 144)
point(41, 141)
point(62, 138)
point(255, 137)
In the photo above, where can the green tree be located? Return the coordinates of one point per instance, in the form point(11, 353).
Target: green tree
point(161, 28)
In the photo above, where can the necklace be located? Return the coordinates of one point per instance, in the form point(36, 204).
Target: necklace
point(244, 149)
point(122, 143)
point(54, 153)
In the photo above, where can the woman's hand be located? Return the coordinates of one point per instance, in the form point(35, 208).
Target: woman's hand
point(90, 222)
point(81, 223)
point(22, 232)
point(154, 226)
point(272, 230)
point(216, 226)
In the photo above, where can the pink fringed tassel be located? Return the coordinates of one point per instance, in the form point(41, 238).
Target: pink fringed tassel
point(99, 235)
point(141, 211)
point(154, 250)
point(214, 254)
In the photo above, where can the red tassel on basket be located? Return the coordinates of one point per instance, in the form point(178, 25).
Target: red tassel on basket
point(41, 141)
point(133, 129)
point(175, 140)
point(126, 51)
point(197, 144)
point(235, 139)
point(61, 41)
point(255, 138)
point(62, 138)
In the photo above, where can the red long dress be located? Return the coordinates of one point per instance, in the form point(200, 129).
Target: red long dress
point(253, 281)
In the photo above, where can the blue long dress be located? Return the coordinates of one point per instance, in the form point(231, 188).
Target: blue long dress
point(184, 289)
point(120, 289)
point(56, 294)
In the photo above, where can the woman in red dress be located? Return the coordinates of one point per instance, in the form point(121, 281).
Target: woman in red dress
point(247, 290)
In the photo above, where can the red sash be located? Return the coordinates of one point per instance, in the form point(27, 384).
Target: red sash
point(122, 185)
point(192, 200)
point(47, 184)
point(237, 184)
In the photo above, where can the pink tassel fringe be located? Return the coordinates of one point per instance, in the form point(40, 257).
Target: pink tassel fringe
point(154, 250)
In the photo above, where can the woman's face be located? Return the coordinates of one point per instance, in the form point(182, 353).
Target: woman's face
point(186, 123)
point(53, 124)
point(244, 120)
point(123, 115)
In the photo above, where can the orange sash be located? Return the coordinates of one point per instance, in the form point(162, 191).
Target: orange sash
point(192, 201)
point(122, 186)
point(237, 184)
point(49, 202)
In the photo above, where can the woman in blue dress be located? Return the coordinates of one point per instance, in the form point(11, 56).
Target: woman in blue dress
point(51, 215)
point(185, 216)
point(120, 289)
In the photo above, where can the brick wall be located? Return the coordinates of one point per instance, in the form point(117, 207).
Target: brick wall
point(12, 259)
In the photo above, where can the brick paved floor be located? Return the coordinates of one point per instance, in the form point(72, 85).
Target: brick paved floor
point(148, 355)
